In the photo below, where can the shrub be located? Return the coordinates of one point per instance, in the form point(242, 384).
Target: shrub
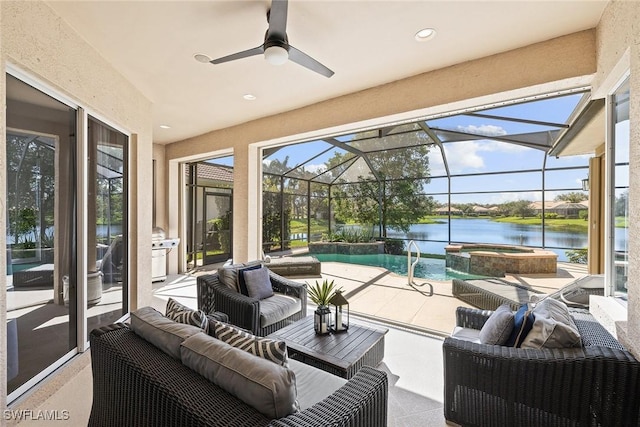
point(394, 246)
point(577, 256)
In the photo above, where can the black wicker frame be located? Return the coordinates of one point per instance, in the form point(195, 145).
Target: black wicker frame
point(244, 311)
point(488, 385)
point(136, 384)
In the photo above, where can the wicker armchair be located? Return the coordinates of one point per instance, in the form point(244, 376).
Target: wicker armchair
point(244, 311)
point(594, 385)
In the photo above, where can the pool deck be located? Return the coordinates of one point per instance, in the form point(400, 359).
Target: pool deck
point(428, 306)
point(378, 293)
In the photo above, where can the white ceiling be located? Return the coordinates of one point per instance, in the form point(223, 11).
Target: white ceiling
point(366, 43)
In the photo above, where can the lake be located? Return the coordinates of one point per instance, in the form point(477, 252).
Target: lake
point(432, 238)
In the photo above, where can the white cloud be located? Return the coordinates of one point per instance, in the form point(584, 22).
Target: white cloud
point(463, 156)
point(487, 130)
point(315, 168)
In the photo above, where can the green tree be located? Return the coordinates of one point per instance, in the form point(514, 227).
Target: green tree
point(621, 204)
point(521, 208)
point(572, 197)
point(275, 214)
point(395, 200)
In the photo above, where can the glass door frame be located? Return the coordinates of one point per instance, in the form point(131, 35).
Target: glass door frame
point(610, 191)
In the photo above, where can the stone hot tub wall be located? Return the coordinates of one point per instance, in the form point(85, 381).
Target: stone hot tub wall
point(497, 260)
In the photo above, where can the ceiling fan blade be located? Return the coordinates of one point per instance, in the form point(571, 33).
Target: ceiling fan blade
point(278, 19)
point(239, 55)
point(305, 60)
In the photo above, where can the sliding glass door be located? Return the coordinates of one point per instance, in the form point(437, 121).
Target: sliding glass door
point(41, 234)
point(56, 220)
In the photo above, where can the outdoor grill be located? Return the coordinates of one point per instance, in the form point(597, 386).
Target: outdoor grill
point(160, 246)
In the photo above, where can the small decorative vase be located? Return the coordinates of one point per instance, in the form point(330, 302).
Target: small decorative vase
point(322, 320)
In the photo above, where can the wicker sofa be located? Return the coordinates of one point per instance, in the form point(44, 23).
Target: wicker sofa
point(137, 384)
point(597, 384)
point(244, 311)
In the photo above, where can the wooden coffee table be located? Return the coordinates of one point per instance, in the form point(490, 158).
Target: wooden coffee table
point(341, 354)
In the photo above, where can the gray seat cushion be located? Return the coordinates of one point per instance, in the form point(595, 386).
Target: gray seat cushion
point(466, 334)
point(277, 308)
point(269, 388)
point(313, 384)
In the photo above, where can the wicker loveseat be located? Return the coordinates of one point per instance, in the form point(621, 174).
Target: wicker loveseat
point(247, 312)
point(597, 384)
point(137, 384)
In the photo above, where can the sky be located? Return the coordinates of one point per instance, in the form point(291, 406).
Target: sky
point(482, 156)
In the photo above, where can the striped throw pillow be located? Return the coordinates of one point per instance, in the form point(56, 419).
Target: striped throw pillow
point(275, 351)
point(183, 314)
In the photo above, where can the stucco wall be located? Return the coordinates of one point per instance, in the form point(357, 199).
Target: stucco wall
point(618, 50)
point(36, 42)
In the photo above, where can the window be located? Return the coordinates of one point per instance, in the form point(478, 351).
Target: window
point(619, 190)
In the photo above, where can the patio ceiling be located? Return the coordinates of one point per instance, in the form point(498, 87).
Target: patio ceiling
point(367, 43)
point(545, 124)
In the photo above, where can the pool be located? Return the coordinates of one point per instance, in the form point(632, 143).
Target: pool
point(427, 268)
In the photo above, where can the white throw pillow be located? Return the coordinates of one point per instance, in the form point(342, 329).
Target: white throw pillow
point(553, 327)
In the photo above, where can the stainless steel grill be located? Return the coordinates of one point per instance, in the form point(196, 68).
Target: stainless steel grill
point(160, 246)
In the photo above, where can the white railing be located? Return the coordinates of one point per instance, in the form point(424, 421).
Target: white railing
point(412, 265)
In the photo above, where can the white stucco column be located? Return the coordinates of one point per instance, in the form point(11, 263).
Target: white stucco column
point(247, 204)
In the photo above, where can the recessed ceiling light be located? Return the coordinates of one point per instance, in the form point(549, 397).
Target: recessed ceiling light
point(249, 97)
point(200, 57)
point(165, 127)
point(425, 34)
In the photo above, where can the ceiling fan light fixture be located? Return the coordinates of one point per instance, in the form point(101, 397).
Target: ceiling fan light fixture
point(201, 57)
point(425, 34)
point(276, 55)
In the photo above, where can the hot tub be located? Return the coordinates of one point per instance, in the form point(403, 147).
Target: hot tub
point(497, 260)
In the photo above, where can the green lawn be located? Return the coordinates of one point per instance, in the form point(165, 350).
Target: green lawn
point(300, 225)
point(565, 224)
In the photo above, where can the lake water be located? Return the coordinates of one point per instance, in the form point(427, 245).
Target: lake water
point(481, 230)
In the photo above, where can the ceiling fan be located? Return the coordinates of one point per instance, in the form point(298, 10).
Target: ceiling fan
point(276, 47)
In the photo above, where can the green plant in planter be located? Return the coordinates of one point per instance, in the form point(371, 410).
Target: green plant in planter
point(321, 294)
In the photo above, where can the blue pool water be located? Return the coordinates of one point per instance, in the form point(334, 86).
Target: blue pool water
point(427, 268)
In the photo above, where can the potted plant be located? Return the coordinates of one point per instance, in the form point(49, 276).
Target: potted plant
point(321, 294)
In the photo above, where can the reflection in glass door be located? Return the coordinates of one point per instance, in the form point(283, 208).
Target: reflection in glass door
point(41, 228)
point(107, 284)
point(217, 227)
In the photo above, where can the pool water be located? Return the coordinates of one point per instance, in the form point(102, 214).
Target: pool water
point(427, 268)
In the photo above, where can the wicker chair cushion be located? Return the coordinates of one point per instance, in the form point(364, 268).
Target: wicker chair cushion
point(228, 274)
point(313, 384)
point(267, 387)
point(273, 350)
point(553, 327)
point(499, 326)
point(183, 314)
point(160, 331)
point(466, 334)
point(278, 307)
point(258, 283)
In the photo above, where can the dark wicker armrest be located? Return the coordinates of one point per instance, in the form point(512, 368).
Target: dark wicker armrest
point(361, 402)
point(471, 317)
point(579, 384)
point(285, 286)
